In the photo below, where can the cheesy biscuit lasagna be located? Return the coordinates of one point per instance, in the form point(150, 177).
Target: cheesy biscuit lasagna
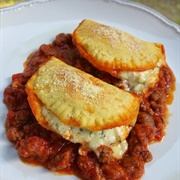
point(90, 103)
point(136, 62)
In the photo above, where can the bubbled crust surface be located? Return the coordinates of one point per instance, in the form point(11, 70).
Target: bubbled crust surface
point(79, 99)
point(112, 50)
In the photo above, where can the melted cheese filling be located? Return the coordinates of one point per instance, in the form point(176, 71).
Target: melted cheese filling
point(139, 82)
point(113, 138)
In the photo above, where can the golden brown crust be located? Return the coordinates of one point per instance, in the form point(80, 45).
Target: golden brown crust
point(113, 50)
point(36, 106)
point(79, 99)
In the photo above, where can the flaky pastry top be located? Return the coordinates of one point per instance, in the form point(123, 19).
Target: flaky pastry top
point(79, 99)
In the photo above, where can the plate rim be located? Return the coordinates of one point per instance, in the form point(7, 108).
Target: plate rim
point(139, 6)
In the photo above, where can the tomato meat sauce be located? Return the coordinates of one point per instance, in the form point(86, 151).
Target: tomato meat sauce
point(36, 145)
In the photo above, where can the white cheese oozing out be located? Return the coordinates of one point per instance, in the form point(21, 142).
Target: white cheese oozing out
point(139, 82)
point(113, 138)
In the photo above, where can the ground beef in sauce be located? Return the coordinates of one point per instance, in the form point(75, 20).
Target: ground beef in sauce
point(40, 146)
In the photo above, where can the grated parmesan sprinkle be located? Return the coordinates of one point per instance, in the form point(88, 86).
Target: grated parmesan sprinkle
point(115, 36)
point(65, 77)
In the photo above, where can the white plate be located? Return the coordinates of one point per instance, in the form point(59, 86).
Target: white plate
point(26, 26)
